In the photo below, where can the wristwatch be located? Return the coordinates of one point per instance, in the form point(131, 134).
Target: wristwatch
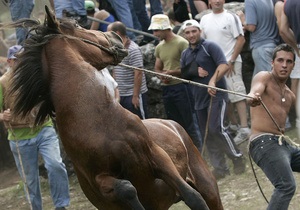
point(232, 61)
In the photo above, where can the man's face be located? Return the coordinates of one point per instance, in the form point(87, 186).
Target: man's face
point(192, 34)
point(283, 64)
point(160, 34)
point(217, 5)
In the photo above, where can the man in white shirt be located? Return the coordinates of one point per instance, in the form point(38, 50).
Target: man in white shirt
point(225, 29)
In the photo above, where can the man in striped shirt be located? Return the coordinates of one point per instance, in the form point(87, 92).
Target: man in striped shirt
point(131, 82)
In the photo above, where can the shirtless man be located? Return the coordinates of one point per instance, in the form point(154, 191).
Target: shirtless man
point(274, 153)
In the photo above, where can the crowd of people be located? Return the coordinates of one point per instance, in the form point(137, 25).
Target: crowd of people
point(206, 51)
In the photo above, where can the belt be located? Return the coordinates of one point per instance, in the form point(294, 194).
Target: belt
point(280, 138)
point(260, 135)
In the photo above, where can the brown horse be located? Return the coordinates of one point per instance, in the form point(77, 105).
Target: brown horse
point(121, 162)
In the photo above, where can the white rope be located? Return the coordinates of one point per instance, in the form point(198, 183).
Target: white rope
point(287, 139)
point(185, 81)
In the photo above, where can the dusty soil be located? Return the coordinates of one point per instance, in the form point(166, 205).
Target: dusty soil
point(238, 192)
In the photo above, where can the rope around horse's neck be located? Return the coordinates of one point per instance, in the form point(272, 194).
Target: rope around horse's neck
point(111, 50)
point(184, 80)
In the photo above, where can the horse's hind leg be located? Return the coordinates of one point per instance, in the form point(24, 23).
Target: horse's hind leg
point(203, 179)
point(119, 190)
point(167, 171)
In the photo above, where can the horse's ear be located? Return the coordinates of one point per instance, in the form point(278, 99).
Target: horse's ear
point(50, 19)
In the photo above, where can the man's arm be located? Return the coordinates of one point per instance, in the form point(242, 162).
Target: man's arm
point(200, 5)
point(278, 10)
point(286, 32)
point(258, 87)
point(5, 116)
point(219, 73)
point(138, 76)
point(248, 27)
point(240, 41)
point(158, 65)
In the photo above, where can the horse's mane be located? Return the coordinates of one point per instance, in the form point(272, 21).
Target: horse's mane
point(29, 85)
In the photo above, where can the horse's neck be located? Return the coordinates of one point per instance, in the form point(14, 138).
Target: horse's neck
point(76, 85)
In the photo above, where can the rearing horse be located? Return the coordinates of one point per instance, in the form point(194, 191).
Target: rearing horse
point(121, 162)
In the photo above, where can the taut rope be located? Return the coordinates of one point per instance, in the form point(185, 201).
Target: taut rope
point(218, 89)
point(185, 81)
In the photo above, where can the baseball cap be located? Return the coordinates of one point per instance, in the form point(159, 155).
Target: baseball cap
point(89, 5)
point(12, 51)
point(190, 23)
point(160, 22)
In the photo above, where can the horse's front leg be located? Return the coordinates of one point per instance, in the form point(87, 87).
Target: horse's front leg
point(167, 171)
point(119, 190)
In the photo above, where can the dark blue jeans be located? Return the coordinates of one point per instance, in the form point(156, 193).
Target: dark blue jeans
point(278, 163)
point(20, 9)
point(179, 107)
point(142, 14)
point(123, 10)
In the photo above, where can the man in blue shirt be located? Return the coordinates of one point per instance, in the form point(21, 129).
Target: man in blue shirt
point(204, 62)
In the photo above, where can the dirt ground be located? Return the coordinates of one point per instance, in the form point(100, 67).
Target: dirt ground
point(238, 192)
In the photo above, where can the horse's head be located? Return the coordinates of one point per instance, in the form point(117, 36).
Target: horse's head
point(97, 48)
point(93, 47)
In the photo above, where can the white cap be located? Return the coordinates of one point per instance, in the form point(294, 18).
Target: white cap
point(160, 22)
point(190, 23)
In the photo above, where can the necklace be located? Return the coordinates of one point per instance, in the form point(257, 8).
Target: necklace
point(282, 93)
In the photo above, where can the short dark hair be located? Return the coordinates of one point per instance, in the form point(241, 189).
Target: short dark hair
point(118, 27)
point(283, 47)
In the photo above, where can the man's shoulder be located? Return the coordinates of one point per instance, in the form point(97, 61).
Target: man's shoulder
point(181, 42)
point(134, 48)
point(209, 14)
point(185, 53)
point(160, 44)
point(230, 14)
point(208, 43)
point(180, 39)
point(263, 76)
point(133, 45)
